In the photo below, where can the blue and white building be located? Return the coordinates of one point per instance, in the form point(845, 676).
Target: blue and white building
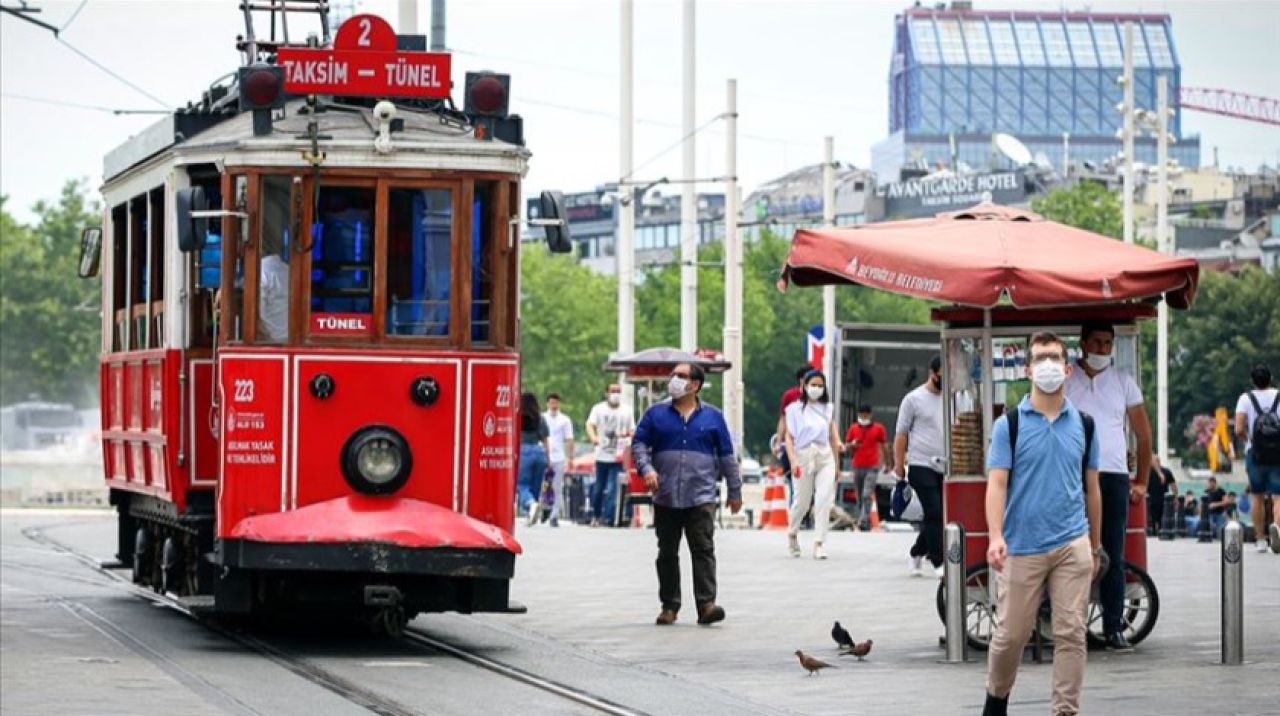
point(964, 74)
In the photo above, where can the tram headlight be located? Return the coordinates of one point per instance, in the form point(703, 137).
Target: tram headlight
point(376, 460)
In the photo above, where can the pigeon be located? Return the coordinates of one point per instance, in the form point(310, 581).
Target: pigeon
point(861, 650)
point(843, 640)
point(811, 664)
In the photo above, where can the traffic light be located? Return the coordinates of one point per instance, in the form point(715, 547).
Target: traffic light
point(261, 91)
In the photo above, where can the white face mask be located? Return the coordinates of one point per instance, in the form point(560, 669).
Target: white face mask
point(677, 387)
point(864, 421)
point(1097, 362)
point(1049, 376)
point(815, 392)
point(615, 399)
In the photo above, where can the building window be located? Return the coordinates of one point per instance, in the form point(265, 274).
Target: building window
point(1110, 52)
point(924, 41)
point(1158, 41)
point(1055, 44)
point(1006, 50)
point(1082, 44)
point(975, 38)
point(951, 41)
point(1029, 43)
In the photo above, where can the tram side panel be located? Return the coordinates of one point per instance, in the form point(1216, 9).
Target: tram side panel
point(493, 434)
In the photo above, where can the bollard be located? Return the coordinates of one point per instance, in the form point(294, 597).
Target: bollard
point(954, 578)
point(1232, 594)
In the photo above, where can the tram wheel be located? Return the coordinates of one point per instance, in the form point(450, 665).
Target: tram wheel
point(1141, 608)
point(390, 621)
point(172, 569)
point(141, 556)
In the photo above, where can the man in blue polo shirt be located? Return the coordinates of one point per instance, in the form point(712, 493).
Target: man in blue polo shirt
point(1044, 528)
point(680, 447)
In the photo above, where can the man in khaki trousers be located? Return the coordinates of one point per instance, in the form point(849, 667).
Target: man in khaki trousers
point(1045, 527)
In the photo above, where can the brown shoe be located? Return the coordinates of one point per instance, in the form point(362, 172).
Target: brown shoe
point(710, 614)
point(666, 618)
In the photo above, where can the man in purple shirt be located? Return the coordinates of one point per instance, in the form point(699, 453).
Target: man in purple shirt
point(681, 447)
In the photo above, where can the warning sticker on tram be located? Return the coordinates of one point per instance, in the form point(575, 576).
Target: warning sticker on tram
point(365, 61)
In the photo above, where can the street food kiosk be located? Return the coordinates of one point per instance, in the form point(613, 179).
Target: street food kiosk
point(999, 274)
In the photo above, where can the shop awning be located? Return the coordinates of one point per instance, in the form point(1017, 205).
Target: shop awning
point(988, 255)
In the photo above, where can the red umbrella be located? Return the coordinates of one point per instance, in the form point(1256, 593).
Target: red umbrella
point(982, 255)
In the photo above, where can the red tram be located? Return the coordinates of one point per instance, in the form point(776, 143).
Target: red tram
point(310, 341)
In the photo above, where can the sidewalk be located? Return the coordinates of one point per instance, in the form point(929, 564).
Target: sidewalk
point(596, 589)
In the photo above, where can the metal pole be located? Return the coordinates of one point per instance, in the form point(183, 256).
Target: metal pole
point(1066, 155)
point(1232, 594)
point(408, 17)
point(689, 197)
point(828, 291)
point(1162, 243)
point(627, 196)
point(953, 549)
point(733, 383)
point(438, 26)
point(1128, 133)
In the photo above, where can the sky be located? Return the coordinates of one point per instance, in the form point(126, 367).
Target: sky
point(805, 70)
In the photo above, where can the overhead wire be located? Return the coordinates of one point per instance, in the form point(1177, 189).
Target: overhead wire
point(74, 15)
point(81, 105)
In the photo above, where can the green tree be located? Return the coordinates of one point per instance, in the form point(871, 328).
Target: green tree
point(568, 326)
point(1086, 205)
point(49, 317)
point(1233, 325)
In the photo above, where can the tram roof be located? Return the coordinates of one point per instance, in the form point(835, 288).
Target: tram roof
point(429, 140)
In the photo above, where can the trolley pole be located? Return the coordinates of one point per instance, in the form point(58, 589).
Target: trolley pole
point(1232, 594)
point(1162, 245)
point(954, 560)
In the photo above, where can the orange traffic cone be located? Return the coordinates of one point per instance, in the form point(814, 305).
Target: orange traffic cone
point(775, 502)
point(875, 516)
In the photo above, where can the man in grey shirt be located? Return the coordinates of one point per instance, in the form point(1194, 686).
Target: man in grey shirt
point(917, 456)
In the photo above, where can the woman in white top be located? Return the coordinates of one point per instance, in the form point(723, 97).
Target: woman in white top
point(813, 442)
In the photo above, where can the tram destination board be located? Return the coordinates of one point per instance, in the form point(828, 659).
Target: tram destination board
point(364, 62)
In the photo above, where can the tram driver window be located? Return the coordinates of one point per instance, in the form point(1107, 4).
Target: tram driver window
point(342, 251)
point(419, 262)
point(273, 267)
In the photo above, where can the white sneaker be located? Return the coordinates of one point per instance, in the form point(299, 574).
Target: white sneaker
point(915, 566)
point(939, 572)
point(535, 508)
point(793, 545)
point(818, 551)
point(1261, 545)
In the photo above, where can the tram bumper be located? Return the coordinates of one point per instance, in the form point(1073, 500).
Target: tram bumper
point(334, 551)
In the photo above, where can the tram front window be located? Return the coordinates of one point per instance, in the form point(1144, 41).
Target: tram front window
point(342, 251)
point(419, 262)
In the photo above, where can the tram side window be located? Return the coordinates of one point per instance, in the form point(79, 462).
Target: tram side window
point(139, 280)
point(342, 251)
point(273, 267)
point(419, 262)
point(119, 275)
point(482, 262)
point(206, 269)
point(233, 250)
point(156, 258)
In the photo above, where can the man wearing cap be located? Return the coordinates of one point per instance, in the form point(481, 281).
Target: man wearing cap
point(1112, 398)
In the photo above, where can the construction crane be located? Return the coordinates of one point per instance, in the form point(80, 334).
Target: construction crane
point(1231, 104)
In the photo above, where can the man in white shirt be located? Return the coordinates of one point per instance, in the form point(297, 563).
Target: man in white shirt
point(1112, 398)
point(608, 426)
point(918, 454)
point(561, 443)
point(1264, 477)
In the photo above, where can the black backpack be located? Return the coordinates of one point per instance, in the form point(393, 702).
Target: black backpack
point(1012, 419)
point(1265, 440)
